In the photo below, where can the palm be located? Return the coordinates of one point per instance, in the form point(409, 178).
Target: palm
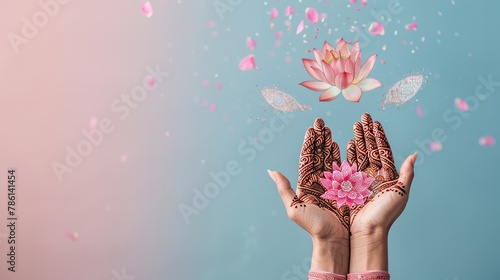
point(372, 153)
point(315, 214)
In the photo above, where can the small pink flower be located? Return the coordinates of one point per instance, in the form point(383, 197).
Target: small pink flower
point(339, 70)
point(347, 185)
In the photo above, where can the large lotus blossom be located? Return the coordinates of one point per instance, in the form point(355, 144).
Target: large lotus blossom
point(345, 184)
point(339, 69)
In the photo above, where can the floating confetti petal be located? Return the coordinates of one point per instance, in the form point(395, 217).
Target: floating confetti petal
point(72, 235)
point(461, 105)
point(279, 34)
point(251, 43)
point(213, 107)
point(282, 101)
point(312, 15)
point(93, 122)
point(411, 26)
point(211, 23)
point(289, 11)
point(123, 158)
point(436, 146)
point(353, 1)
point(403, 90)
point(167, 133)
point(487, 141)
point(147, 9)
point(364, 2)
point(151, 82)
point(274, 13)
point(419, 111)
point(300, 27)
point(376, 28)
point(247, 63)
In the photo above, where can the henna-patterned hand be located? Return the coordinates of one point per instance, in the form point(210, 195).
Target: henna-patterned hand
point(318, 216)
point(370, 150)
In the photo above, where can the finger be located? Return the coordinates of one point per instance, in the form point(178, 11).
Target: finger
point(351, 152)
point(359, 140)
point(385, 152)
point(319, 145)
point(336, 153)
point(407, 173)
point(306, 161)
point(370, 143)
point(327, 150)
point(286, 192)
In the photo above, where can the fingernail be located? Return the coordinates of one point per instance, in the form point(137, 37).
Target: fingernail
point(271, 174)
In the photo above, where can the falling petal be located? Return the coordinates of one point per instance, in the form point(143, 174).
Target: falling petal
point(247, 63)
point(419, 111)
point(205, 83)
point(213, 107)
point(411, 26)
point(461, 105)
point(218, 86)
point(123, 158)
point(403, 90)
point(289, 11)
point(300, 27)
point(364, 2)
point(376, 28)
point(151, 82)
point(282, 101)
point(487, 141)
point(251, 43)
point(279, 34)
point(93, 122)
point(72, 235)
point(383, 61)
point(436, 146)
point(211, 23)
point(274, 13)
point(353, 1)
point(147, 9)
point(312, 15)
point(167, 133)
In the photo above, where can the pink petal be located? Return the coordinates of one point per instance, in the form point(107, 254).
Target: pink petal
point(328, 175)
point(213, 107)
point(300, 27)
point(419, 111)
point(93, 122)
point(337, 176)
point(411, 26)
point(251, 43)
point(326, 183)
point(365, 69)
point(309, 64)
point(356, 180)
point(279, 34)
point(487, 141)
point(289, 11)
point(346, 170)
point(318, 56)
point(352, 93)
point(72, 235)
point(312, 15)
point(359, 201)
point(364, 2)
point(354, 167)
point(335, 167)
point(349, 202)
point(123, 158)
point(274, 13)
point(461, 104)
point(330, 196)
point(247, 63)
point(340, 201)
point(319, 73)
point(368, 84)
point(335, 186)
point(147, 9)
point(341, 193)
point(329, 94)
point(353, 1)
point(327, 47)
point(352, 195)
point(150, 81)
point(329, 74)
point(316, 85)
point(436, 146)
point(376, 28)
point(343, 80)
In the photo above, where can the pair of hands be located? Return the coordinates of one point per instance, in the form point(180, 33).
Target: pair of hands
point(347, 239)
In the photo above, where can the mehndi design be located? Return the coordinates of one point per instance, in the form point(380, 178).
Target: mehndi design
point(317, 155)
point(370, 150)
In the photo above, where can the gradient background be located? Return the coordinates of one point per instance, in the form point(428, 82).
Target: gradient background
point(126, 213)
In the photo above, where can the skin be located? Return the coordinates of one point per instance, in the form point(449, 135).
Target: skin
point(347, 240)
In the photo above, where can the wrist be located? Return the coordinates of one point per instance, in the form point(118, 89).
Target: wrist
point(369, 250)
point(330, 255)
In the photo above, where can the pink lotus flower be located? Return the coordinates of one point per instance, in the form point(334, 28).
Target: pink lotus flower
point(345, 184)
point(339, 69)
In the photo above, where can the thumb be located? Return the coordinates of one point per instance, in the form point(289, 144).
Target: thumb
point(284, 189)
point(406, 172)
